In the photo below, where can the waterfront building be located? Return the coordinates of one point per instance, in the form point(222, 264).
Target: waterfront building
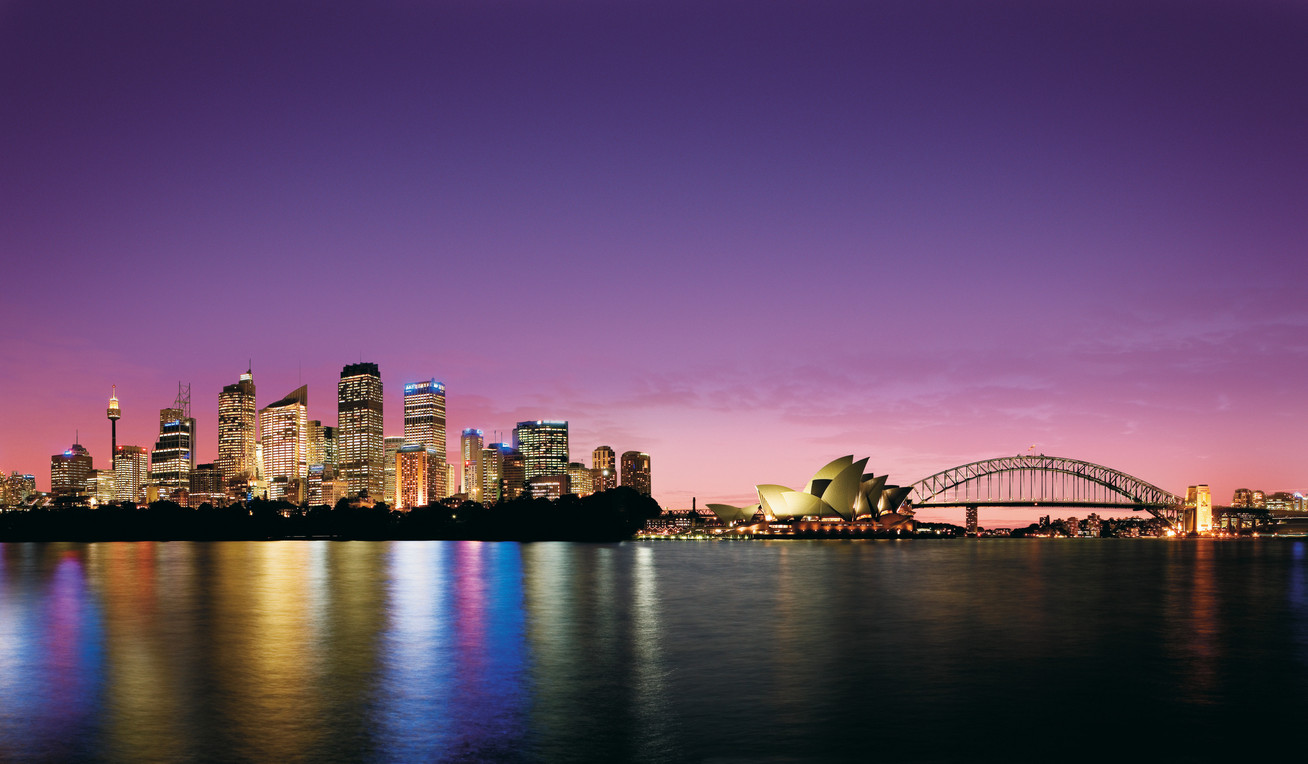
point(841, 490)
point(424, 425)
point(323, 485)
point(1203, 514)
point(547, 486)
point(490, 474)
point(580, 479)
point(513, 473)
point(451, 479)
point(131, 473)
point(360, 451)
point(635, 471)
point(970, 520)
point(100, 484)
point(1243, 498)
point(604, 462)
point(284, 433)
point(1283, 503)
point(1259, 500)
point(69, 472)
point(173, 457)
point(413, 472)
point(16, 489)
point(544, 447)
point(207, 486)
point(470, 446)
point(391, 446)
point(237, 434)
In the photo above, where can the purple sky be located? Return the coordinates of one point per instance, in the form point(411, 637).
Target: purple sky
point(746, 237)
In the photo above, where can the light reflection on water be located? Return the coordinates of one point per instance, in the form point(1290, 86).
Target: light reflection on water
point(788, 651)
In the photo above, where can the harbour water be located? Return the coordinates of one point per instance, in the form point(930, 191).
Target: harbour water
point(780, 651)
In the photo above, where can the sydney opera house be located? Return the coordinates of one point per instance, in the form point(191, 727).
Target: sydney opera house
point(840, 492)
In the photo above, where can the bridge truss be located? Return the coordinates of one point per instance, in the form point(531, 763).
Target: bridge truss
point(1031, 480)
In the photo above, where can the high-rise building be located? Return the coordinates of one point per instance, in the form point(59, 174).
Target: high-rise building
point(470, 446)
point(322, 448)
point(131, 472)
point(604, 462)
point(413, 468)
point(69, 472)
point(424, 425)
point(100, 486)
point(361, 453)
point(581, 479)
point(207, 486)
point(390, 446)
point(173, 457)
point(544, 447)
point(16, 489)
point(237, 434)
point(451, 479)
point(490, 474)
point(284, 427)
point(513, 473)
point(635, 471)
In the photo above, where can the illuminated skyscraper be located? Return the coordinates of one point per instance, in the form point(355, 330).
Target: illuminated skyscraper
point(391, 446)
point(359, 429)
point(603, 461)
point(131, 472)
point(207, 486)
point(513, 473)
point(284, 433)
point(413, 468)
point(424, 425)
point(173, 457)
point(544, 447)
point(490, 474)
point(451, 479)
point(635, 471)
point(237, 432)
point(470, 445)
point(581, 479)
point(69, 472)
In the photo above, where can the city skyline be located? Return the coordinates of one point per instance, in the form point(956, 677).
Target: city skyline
point(740, 238)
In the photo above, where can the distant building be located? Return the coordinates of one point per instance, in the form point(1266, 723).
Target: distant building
point(470, 445)
point(604, 462)
point(451, 480)
point(544, 447)
point(424, 425)
point(284, 434)
point(16, 489)
point(413, 471)
point(391, 445)
point(173, 457)
point(547, 486)
point(131, 473)
point(69, 472)
point(361, 454)
point(490, 474)
point(1242, 498)
point(580, 479)
point(207, 486)
point(970, 520)
point(237, 433)
point(513, 473)
point(100, 484)
point(1284, 503)
point(635, 471)
point(1199, 505)
point(323, 485)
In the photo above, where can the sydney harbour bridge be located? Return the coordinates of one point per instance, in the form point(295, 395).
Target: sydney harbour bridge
point(1029, 480)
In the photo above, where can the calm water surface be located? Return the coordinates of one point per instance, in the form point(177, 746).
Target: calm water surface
point(659, 651)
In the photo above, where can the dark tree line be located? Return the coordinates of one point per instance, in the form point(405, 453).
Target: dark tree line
point(608, 516)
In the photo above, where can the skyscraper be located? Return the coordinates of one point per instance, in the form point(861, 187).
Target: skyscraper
point(69, 472)
point(173, 457)
point(284, 433)
point(424, 425)
point(490, 474)
point(412, 469)
point(359, 429)
point(513, 473)
point(635, 471)
point(544, 447)
point(470, 445)
point(581, 479)
point(131, 471)
point(390, 447)
point(604, 463)
point(237, 433)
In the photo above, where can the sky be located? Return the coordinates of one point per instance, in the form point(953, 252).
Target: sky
point(744, 237)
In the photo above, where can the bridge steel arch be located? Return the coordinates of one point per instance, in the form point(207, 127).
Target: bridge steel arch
point(1134, 493)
